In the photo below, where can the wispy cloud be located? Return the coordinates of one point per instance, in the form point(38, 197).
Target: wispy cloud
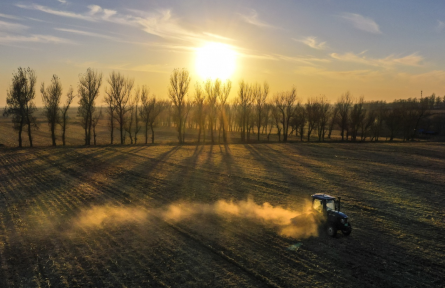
point(9, 16)
point(387, 62)
point(56, 12)
point(435, 75)
point(86, 33)
point(63, 1)
point(219, 37)
point(252, 18)
point(153, 68)
point(307, 60)
point(34, 39)
point(313, 43)
point(8, 26)
point(440, 26)
point(160, 23)
point(348, 75)
point(98, 35)
point(362, 23)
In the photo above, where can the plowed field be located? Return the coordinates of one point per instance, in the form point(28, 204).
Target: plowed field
point(89, 217)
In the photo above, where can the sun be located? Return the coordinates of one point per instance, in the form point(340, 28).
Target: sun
point(215, 60)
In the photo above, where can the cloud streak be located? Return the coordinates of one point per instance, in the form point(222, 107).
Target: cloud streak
point(313, 43)
point(252, 18)
point(362, 23)
point(160, 23)
point(56, 12)
point(8, 26)
point(9, 16)
point(34, 39)
point(387, 62)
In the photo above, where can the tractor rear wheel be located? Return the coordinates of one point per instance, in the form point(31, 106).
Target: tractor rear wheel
point(332, 231)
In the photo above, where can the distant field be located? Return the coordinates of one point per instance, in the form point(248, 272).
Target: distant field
point(101, 216)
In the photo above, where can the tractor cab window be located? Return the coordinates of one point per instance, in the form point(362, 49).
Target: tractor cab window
point(317, 205)
point(330, 205)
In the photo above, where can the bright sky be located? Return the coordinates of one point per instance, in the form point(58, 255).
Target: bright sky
point(380, 49)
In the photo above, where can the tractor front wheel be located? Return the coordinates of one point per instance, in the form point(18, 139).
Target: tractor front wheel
point(346, 232)
point(332, 231)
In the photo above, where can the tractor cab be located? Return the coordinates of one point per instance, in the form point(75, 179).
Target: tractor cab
point(329, 207)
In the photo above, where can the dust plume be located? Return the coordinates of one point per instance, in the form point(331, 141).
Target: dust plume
point(300, 223)
point(101, 215)
point(288, 222)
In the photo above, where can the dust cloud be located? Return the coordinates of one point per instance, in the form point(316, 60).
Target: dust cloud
point(288, 222)
point(102, 215)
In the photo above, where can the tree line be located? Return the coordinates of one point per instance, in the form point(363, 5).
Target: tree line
point(134, 111)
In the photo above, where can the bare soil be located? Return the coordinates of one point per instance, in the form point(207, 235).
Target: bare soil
point(393, 194)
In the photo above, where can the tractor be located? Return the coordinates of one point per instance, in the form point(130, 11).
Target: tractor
point(329, 208)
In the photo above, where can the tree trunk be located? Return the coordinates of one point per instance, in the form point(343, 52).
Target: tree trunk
point(29, 132)
point(53, 133)
point(20, 133)
point(63, 131)
point(146, 133)
point(122, 129)
point(112, 128)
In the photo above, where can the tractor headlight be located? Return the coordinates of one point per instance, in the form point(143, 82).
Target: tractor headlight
point(344, 220)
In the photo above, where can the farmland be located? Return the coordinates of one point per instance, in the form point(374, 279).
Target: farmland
point(96, 216)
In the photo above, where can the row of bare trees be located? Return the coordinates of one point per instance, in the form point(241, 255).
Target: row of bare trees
point(132, 110)
point(284, 114)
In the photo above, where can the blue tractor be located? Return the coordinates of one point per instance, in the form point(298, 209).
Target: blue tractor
point(329, 208)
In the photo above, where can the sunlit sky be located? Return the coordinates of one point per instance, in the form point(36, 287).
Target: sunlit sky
point(383, 50)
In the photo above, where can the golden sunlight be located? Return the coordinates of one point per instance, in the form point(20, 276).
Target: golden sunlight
point(215, 60)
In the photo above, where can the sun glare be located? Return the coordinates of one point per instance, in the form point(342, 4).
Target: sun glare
point(215, 60)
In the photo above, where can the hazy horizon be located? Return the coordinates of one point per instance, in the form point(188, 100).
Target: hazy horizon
point(379, 50)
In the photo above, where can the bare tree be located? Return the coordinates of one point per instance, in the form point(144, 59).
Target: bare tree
point(260, 96)
point(223, 107)
point(244, 102)
point(158, 107)
point(19, 102)
point(334, 119)
point(96, 118)
point(179, 85)
point(137, 126)
point(357, 116)
point(267, 112)
point(343, 105)
point(392, 119)
point(119, 94)
point(298, 122)
point(109, 100)
point(376, 126)
point(420, 112)
point(51, 101)
point(129, 121)
point(285, 103)
point(199, 114)
point(213, 91)
point(64, 113)
point(277, 117)
point(313, 116)
point(187, 108)
point(88, 89)
point(323, 119)
point(147, 107)
point(368, 121)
